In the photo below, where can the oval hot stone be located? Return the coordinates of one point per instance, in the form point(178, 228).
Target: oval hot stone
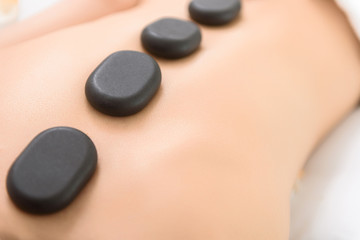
point(52, 170)
point(124, 83)
point(214, 12)
point(171, 38)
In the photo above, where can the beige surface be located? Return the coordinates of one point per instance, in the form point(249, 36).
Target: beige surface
point(8, 12)
point(7, 5)
point(216, 153)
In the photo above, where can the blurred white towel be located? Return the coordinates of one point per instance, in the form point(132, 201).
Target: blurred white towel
point(31, 7)
point(327, 204)
point(352, 9)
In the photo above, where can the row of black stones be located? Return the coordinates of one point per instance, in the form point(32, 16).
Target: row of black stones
point(56, 165)
point(125, 82)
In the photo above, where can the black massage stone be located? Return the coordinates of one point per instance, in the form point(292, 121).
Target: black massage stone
point(214, 12)
point(52, 170)
point(124, 83)
point(171, 38)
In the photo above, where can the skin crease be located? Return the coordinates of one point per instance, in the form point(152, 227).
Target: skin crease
point(215, 154)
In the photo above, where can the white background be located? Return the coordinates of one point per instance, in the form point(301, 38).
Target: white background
point(30, 7)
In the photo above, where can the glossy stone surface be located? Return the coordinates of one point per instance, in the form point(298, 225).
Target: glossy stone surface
point(214, 12)
point(124, 83)
point(52, 170)
point(171, 38)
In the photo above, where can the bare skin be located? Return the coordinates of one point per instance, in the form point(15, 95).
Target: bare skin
point(63, 14)
point(215, 155)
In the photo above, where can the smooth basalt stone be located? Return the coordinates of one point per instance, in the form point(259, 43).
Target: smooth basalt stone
point(214, 12)
point(124, 83)
point(171, 38)
point(52, 170)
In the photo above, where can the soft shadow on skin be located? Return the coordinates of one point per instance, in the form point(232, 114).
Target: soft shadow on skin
point(6, 236)
point(64, 221)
